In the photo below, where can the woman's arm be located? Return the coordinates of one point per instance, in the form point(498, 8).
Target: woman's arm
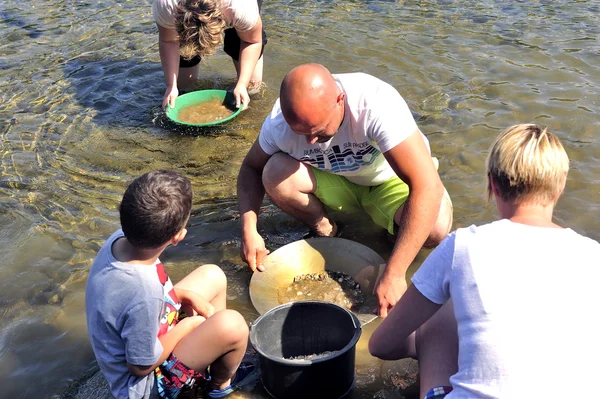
point(250, 48)
point(412, 310)
point(168, 48)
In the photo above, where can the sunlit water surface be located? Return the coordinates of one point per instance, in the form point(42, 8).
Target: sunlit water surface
point(81, 86)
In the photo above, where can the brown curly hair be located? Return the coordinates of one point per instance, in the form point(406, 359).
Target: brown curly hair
point(200, 26)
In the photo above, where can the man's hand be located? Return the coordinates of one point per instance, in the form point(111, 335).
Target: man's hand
point(253, 251)
point(390, 287)
point(170, 95)
point(241, 96)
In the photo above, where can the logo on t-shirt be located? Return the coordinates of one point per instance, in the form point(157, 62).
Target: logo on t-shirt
point(335, 160)
point(170, 309)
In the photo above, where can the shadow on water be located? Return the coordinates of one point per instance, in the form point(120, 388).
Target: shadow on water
point(30, 28)
point(127, 94)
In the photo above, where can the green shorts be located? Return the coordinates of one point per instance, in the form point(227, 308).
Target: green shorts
point(379, 202)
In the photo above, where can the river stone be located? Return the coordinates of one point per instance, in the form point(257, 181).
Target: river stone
point(401, 374)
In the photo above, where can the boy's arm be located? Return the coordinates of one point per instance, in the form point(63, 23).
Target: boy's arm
point(412, 310)
point(169, 341)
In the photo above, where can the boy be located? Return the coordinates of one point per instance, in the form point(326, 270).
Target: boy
point(142, 345)
point(520, 292)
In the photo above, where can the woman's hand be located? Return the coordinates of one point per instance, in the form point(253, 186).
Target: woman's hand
point(170, 95)
point(241, 96)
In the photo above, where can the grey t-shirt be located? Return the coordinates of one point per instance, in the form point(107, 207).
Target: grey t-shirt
point(127, 307)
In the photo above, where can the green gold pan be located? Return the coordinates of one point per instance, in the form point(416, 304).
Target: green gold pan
point(312, 256)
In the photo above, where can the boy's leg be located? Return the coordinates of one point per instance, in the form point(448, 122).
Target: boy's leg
point(297, 189)
point(209, 282)
point(437, 349)
point(219, 342)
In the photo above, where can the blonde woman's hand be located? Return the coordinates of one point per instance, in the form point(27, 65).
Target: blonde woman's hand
point(241, 96)
point(170, 95)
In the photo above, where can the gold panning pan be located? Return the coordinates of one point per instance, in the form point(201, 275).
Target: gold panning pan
point(312, 256)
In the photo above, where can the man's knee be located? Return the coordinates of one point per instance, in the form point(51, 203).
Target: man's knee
point(277, 169)
point(443, 224)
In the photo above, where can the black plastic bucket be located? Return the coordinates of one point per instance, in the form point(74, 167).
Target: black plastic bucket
point(306, 328)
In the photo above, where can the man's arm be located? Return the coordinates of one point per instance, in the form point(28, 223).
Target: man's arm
point(412, 162)
point(250, 48)
point(250, 193)
point(389, 340)
point(168, 48)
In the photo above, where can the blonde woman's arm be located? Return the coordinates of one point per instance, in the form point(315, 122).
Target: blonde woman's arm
point(168, 48)
point(250, 48)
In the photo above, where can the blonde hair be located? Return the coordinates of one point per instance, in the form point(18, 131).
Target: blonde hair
point(527, 163)
point(200, 26)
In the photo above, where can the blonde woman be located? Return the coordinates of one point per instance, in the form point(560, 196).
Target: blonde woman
point(519, 295)
point(191, 29)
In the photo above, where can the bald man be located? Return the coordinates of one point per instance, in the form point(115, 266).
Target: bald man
point(346, 142)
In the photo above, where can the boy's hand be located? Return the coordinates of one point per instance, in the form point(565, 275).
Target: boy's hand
point(191, 322)
point(203, 307)
point(200, 305)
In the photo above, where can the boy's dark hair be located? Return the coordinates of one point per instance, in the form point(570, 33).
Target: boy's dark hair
point(155, 207)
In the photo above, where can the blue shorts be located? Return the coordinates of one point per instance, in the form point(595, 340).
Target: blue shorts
point(172, 376)
point(438, 392)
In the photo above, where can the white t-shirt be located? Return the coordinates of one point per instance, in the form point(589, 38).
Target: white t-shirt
point(239, 14)
point(526, 302)
point(376, 119)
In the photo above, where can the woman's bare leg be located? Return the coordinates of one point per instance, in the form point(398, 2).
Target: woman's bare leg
point(187, 77)
point(257, 75)
point(437, 349)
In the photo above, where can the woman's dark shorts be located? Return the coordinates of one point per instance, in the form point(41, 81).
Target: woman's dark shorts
point(231, 45)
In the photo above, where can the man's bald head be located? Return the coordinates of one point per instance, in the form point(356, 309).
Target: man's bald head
point(307, 92)
point(311, 102)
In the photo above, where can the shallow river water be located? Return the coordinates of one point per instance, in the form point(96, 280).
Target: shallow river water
point(80, 92)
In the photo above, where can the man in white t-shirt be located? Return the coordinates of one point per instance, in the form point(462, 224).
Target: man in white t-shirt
point(520, 292)
point(191, 29)
point(348, 142)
